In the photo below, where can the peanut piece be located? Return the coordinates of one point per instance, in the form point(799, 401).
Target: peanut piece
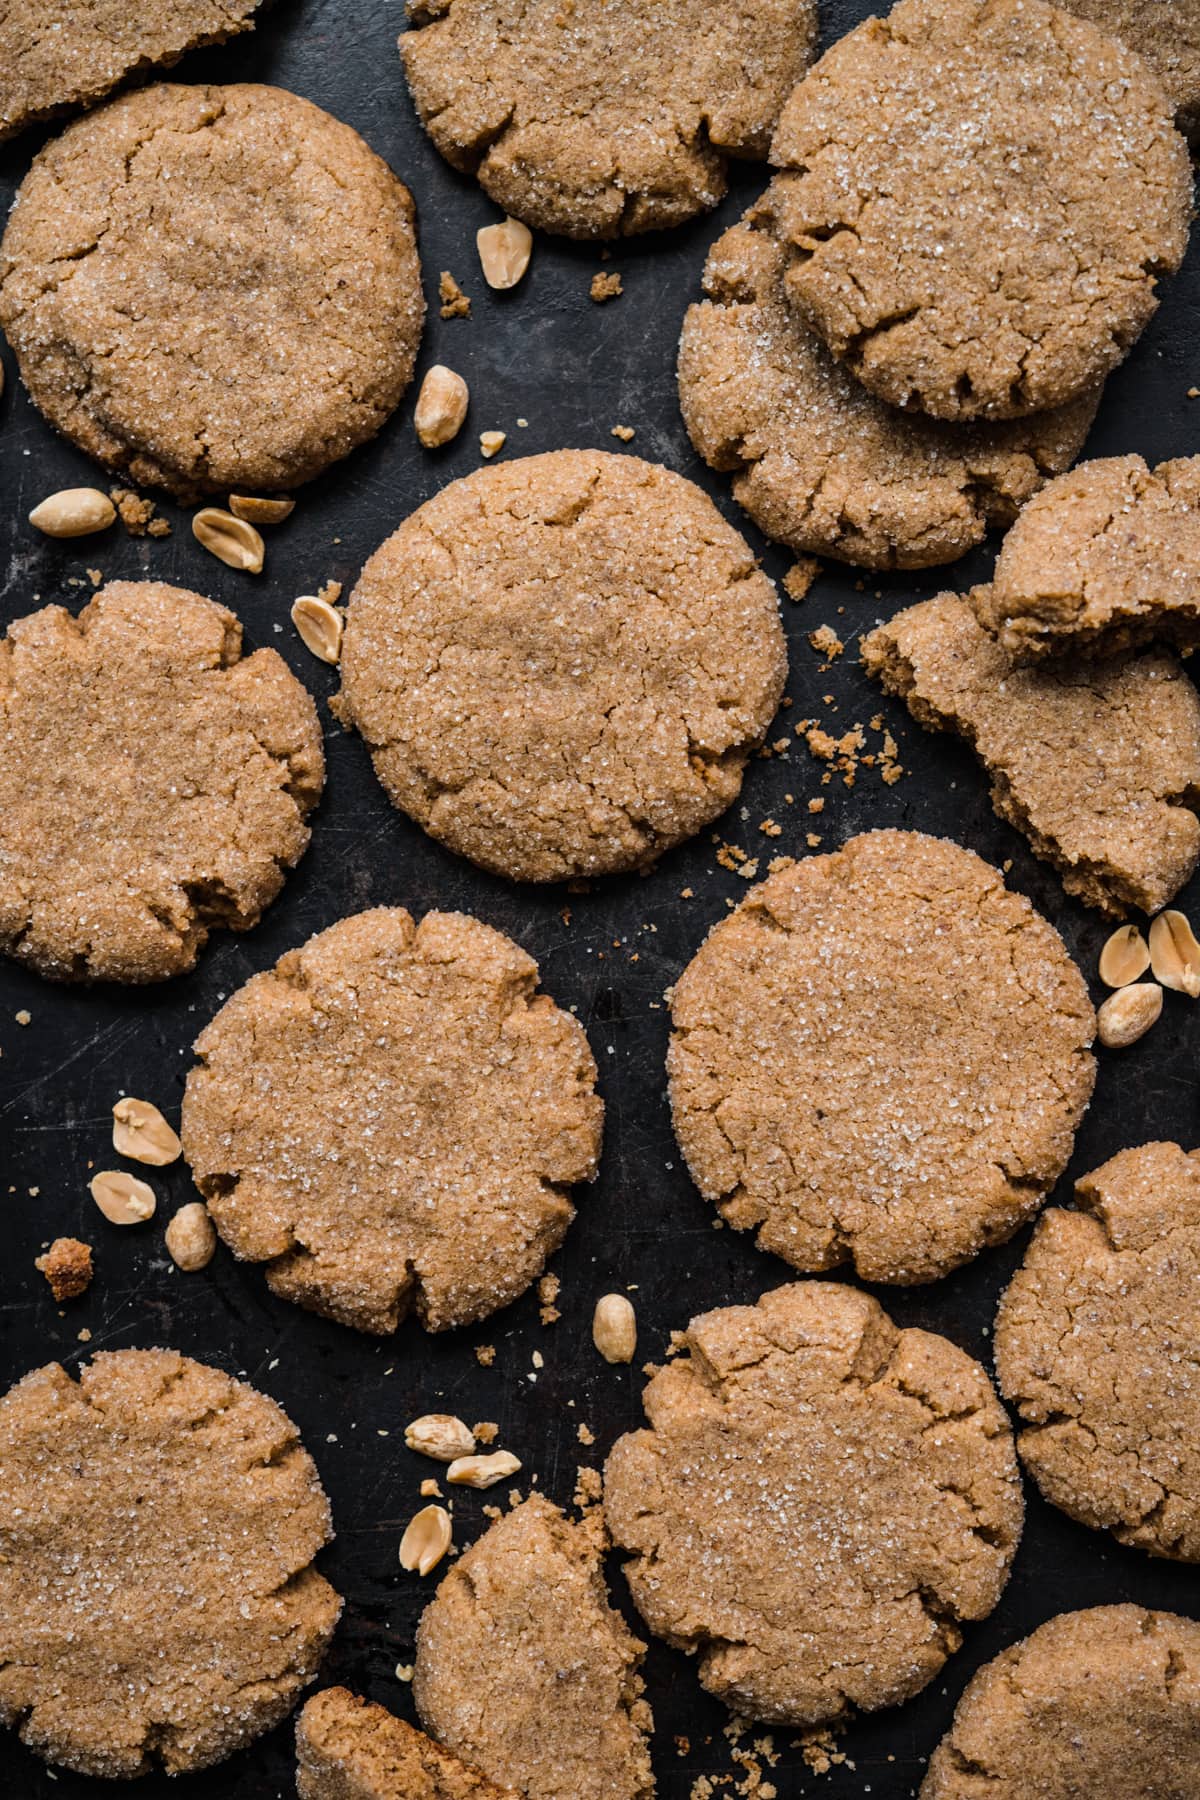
point(191, 1237)
point(141, 1133)
point(232, 541)
point(441, 1436)
point(320, 626)
point(483, 1471)
point(491, 441)
point(441, 406)
point(614, 1328)
point(426, 1540)
point(260, 511)
point(75, 512)
point(1175, 954)
point(1125, 956)
point(1128, 1014)
point(504, 252)
point(122, 1198)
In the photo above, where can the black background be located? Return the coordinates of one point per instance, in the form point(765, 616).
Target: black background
point(573, 369)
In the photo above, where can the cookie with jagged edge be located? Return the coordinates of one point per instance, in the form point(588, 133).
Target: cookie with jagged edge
point(349, 1749)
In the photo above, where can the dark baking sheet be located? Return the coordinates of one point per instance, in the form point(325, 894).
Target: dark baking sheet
point(573, 369)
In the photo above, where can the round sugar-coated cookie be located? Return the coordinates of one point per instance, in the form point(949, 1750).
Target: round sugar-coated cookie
point(1166, 33)
point(158, 1600)
point(821, 464)
point(599, 118)
point(880, 1057)
point(154, 782)
point(1107, 557)
point(981, 196)
point(48, 66)
point(562, 664)
point(392, 1116)
point(819, 1501)
point(1098, 1347)
point(212, 287)
point(524, 1669)
point(1103, 1704)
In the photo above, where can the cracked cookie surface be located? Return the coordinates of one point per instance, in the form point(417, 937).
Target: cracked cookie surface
point(158, 1603)
point(819, 1501)
point(603, 117)
point(76, 55)
point(1097, 764)
point(1103, 1703)
point(212, 287)
point(881, 1057)
point(818, 462)
point(1165, 34)
point(1097, 1346)
point(562, 665)
point(524, 1668)
point(980, 196)
point(349, 1749)
point(392, 1117)
point(1106, 557)
point(154, 783)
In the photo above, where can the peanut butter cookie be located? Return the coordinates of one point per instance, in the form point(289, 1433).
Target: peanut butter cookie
point(524, 1668)
point(821, 464)
point(562, 665)
point(818, 1502)
point(1166, 33)
point(980, 198)
point(347, 1749)
point(1098, 1347)
point(603, 117)
point(880, 1057)
point(212, 287)
point(80, 52)
point(1106, 557)
point(158, 1603)
point(1098, 764)
point(154, 783)
point(437, 1174)
point(1103, 1703)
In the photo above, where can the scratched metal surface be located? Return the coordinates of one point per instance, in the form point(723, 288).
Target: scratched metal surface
point(573, 370)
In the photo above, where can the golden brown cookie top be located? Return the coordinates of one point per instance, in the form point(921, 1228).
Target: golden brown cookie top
point(821, 464)
point(1095, 762)
point(392, 1116)
point(94, 44)
point(154, 782)
point(158, 1604)
point(348, 1749)
point(980, 197)
point(1096, 1346)
point(562, 664)
point(880, 1057)
point(524, 1668)
point(818, 1501)
point(603, 117)
point(1104, 558)
point(1166, 34)
point(1104, 1703)
point(212, 287)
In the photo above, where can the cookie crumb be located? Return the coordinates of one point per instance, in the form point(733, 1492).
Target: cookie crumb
point(585, 1434)
point(485, 1356)
point(455, 304)
point(624, 432)
point(487, 1431)
point(606, 287)
point(138, 515)
point(549, 1285)
point(800, 577)
point(24, 1017)
point(826, 642)
point(330, 592)
point(490, 442)
point(589, 1488)
point(67, 1266)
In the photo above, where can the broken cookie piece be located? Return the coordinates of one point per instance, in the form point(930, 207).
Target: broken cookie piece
point(1105, 558)
point(1097, 764)
point(819, 1500)
point(67, 1266)
point(348, 1749)
point(524, 1669)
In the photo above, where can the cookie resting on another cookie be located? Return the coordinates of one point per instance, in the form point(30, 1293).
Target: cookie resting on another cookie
point(1096, 1705)
point(821, 464)
point(158, 1603)
point(1097, 763)
point(212, 287)
point(348, 1749)
point(819, 1500)
point(1098, 1347)
point(154, 783)
point(603, 117)
point(76, 54)
point(393, 1116)
point(1104, 558)
point(1166, 34)
point(562, 665)
point(880, 1057)
point(981, 196)
point(524, 1668)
